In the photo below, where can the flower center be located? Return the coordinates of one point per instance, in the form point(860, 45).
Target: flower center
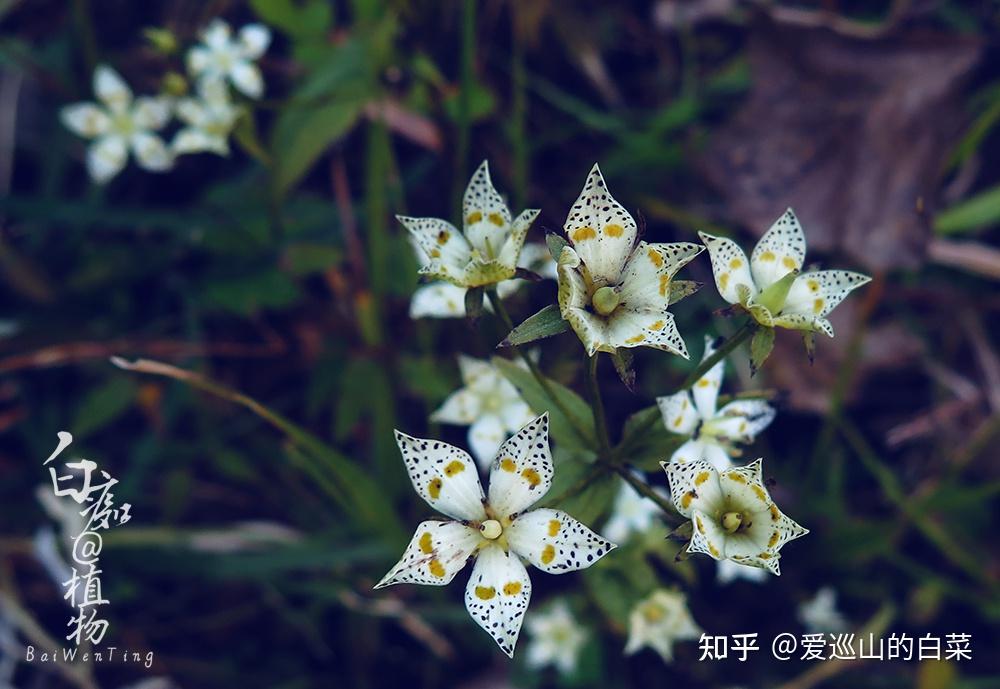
point(732, 521)
point(653, 612)
point(491, 529)
point(605, 300)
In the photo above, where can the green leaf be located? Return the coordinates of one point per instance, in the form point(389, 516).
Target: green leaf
point(534, 394)
point(623, 360)
point(474, 303)
point(981, 210)
point(245, 134)
point(311, 19)
point(679, 289)
point(102, 405)
point(556, 243)
point(247, 295)
point(545, 323)
point(646, 441)
point(580, 487)
point(760, 348)
point(307, 258)
point(303, 135)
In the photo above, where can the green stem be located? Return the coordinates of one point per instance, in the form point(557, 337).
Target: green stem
point(501, 311)
point(465, 99)
point(597, 405)
point(643, 489)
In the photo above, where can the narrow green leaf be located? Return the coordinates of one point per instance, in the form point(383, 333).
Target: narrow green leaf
point(545, 323)
point(102, 405)
point(556, 243)
point(679, 289)
point(760, 348)
point(981, 210)
point(534, 394)
point(623, 360)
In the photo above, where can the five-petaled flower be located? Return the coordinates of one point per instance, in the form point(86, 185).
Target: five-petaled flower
point(732, 514)
point(488, 404)
point(499, 529)
point(713, 432)
point(118, 123)
point(770, 285)
point(820, 614)
point(613, 291)
point(445, 300)
point(209, 118)
point(658, 621)
point(488, 249)
point(631, 514)
point(222, 57)
point(557, 638)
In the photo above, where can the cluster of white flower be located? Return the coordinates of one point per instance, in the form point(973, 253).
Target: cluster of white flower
point(614, 292)
point(119, 122)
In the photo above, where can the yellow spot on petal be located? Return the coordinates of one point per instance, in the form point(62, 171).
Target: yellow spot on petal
point(658, 325)
point(701, 478)
point(485, 592)
point(704, 382)
point(775, 514)
point(664, 285)
point(701, 527)
point(548, 554)
point(733, 476)
point(765, 556)
point(712, 549)
point(584, 233)
point(773, 540)
point(443, 237)
point(678, 421)
point(687, 498)
point(736, 263)
point(507, 464)
point(655, 257)
point(614, 230)
point(813, 286)
point(531, 476)
point(818, 305)
point(723, 280)
point(743, 427)
point(454, 467)
point(425, 542)
point(637, 339)
point(760, 493)
point(789, 263)
point(436, 568)
point(435, 253)
point(554, 525)
point(512, 588)
point(767, 256)
point(474, 217)
point(434, 487)
point(496, 219)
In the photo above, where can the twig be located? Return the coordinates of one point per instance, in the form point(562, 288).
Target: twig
point(412, 623)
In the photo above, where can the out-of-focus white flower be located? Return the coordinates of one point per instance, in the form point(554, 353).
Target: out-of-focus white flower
point(769, 285)
point(658, 621)
point(222, 57)
point(499, 530)
point(820, 614)
point(727, 571)
point(631, 514)
point(53, 551)
point(556, 638)
point(445, 300)
point(713, 433)
point(488, 404)
point(117, 123)
point(732, 514)
point(612, 291)
point(488, 249)
point(210, 119)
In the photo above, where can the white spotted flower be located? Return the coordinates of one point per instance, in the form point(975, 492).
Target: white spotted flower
point(118, 123)
point(770, 285)
point(445, 300)
point(488, 404)
point(658, 622)
point(557, 638)
point(223, 57)
point(498, 529)
point(488, 249)
point(631, 514)
point(732, 514)
point(820, 614)
point(612, 291)
point(208, 119)
point(713, 432)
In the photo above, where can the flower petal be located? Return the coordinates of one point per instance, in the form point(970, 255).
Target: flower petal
point(151, 112)
point(247, 79)
point(192, 111)
point(479, 375)
point(485, 216)
point(678, 413)
point(485, 436)
point(707, 536)
point(781, 250)
point(193, 140)
point(462, 407)
point(198, 60)
point(254, 40)
point(691, 451)
point(106, 157)
point(645, 329)
point(646, 279)
point(446, 249)
point(716, 455)
point(522, 471)
point(729, 266)
point(510, 253)
point(111, 89)
point(728, 571)
point(444, 476)
point(555, 542)
point(601, 230)
point(85, 119)
point(497, 595)
point(151, 152)
point(438, 300)
point(742, 420)
point(815, 294)
point(217, 34)
point(693, 486)
point(706, 389)
point(436, 553)
point(515, 413)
